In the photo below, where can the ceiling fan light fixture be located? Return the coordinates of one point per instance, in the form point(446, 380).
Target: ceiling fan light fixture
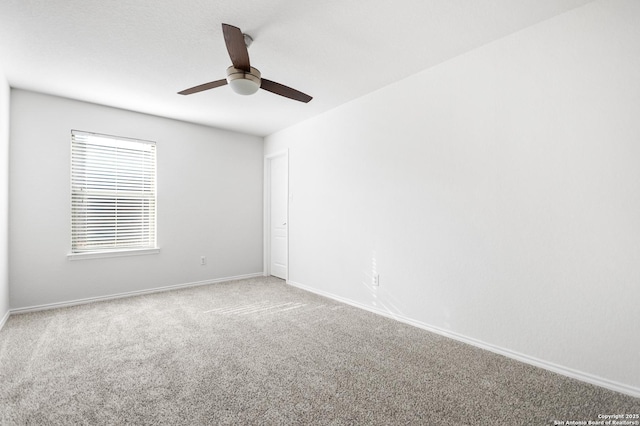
point(243, 82)
point(242, 77)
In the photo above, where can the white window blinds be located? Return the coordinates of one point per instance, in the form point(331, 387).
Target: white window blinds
point(113, 193)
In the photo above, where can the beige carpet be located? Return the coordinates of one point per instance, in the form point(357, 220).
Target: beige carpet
point(261, 352)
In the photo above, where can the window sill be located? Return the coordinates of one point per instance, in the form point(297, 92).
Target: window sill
point(111, 253)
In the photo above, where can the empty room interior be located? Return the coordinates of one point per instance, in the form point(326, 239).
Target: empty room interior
point(408, 212)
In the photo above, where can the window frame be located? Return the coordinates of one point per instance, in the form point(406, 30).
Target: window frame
point(113, 251)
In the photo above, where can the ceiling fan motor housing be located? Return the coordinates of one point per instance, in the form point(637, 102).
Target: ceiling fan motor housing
point(243, 82)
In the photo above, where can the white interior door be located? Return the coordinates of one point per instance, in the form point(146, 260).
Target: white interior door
point(279, 190)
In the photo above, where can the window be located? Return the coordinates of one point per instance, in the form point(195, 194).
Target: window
point(113, 194)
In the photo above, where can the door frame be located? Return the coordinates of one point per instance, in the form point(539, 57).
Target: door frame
point(267, 211)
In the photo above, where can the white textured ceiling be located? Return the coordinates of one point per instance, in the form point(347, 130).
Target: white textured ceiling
point(136, 54)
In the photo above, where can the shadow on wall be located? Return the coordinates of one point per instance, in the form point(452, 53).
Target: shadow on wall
point(384, 302)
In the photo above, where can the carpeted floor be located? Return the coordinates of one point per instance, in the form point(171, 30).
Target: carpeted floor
point(261, 352)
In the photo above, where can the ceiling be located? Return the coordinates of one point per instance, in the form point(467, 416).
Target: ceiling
point(137, 54)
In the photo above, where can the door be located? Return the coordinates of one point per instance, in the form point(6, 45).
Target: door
point(278, 215)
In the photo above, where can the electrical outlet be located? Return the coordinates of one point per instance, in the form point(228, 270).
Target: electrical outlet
point(375, 279)
point(203, 260)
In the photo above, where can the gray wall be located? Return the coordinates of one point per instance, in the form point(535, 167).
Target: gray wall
point(209, 203)
point(4, 197)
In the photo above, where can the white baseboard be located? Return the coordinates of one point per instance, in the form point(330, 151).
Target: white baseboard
point(127, 294)
point(565, 371)
point(4, 319)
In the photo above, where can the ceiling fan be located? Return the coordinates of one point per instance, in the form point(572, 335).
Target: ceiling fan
point(241, 76)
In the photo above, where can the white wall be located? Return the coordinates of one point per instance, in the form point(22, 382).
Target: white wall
point(209, 203)
point(497, 195)
point(4, 197)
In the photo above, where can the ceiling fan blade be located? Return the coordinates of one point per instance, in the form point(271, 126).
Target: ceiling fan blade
point(202, 87)
point(236, 47)
point(282, 90)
